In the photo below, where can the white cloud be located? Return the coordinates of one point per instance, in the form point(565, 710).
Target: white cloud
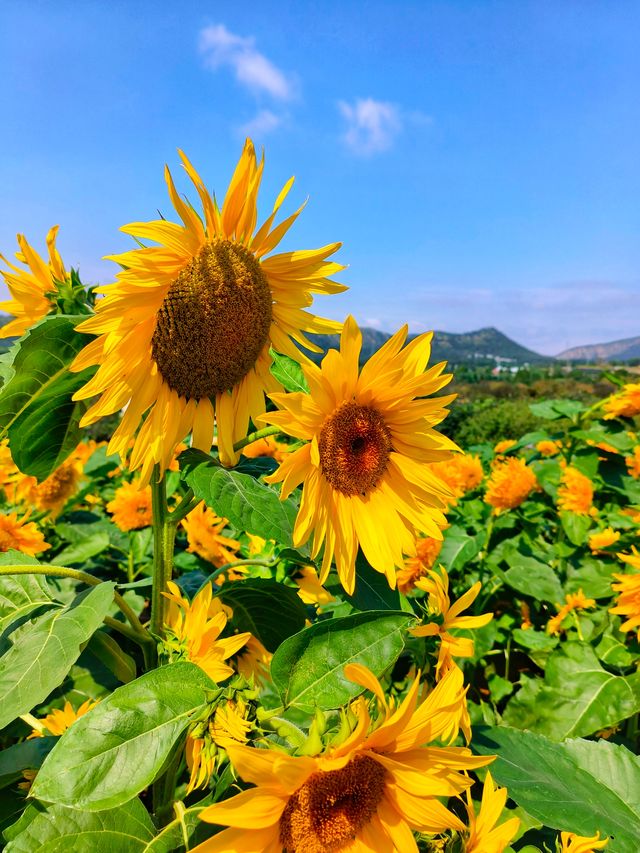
point(262, 123)
point(252, 69)
point(372, 126)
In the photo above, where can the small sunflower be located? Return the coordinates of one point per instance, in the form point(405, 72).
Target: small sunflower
point(511, 482)
point(575, 493)
point(204, 534)
point(603, 539)
point(628, 589)
point(625, 404)
point(186, 330)
point(462, 473)
point(366, 466)
point(20, 534)
point(427, 550)
point(573, 601)
point(484, 836)
point(59, 720)
point(131, 506)
point(572, 843)
point(31, 289)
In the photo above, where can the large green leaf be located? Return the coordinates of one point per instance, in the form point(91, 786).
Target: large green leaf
point(36, 409)
point(247, 503)
point(21, 594)
point(185, 829)
point(270, 610)
point(458, 548)
point(533, 577)
point(56, 829)
point(288, 372)
point(28, 754)
point(43, 650)
point(119, 747)
point(372, 590)
point(85, 541)
point(308, 668)
point(576, 698)
point(579, 786)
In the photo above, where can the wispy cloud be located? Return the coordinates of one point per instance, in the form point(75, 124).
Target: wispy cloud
point(261, 124)
point(222, 48)
point(372, 126)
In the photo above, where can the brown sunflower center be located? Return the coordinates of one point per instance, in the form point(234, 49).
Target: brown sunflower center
point(213, 322)
point(329, 810)
point(354, 445)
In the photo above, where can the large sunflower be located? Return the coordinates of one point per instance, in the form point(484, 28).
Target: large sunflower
point(365, 468)
point(366, 794)
point(186, 329)
point(30, 288)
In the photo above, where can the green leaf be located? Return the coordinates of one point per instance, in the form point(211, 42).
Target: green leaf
point(270, 610)
point(458, 548)
point(120, 746)
point(56, 829)
point(21, 594)
point(185, 828)
point(43, 650)
point(109, 653)
point(248, 504)
point(579, 786)
point(592, 576)
point(552, 410)
point(86, 541)
point(308, 668)
point(28, 754)
point(372, 590)
point(36, 409)
point(576, 527)
point(288, 372)
point(576, 698)
point(532, 577)
point(537, 641)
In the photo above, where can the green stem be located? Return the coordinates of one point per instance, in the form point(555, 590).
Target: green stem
point(164, 534)
point(266, 563)
point(254, 436)
point(188, 502)
point(163, 790)
point(483, 557)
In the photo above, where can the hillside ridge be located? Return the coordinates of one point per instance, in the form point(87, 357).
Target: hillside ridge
point(622, 350)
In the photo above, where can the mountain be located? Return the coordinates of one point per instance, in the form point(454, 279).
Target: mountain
point(615, 350)
point(485, 346)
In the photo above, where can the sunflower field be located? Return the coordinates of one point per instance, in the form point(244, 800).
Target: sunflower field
point(252, 602)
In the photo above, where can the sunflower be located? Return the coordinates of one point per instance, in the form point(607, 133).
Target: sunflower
point(603, 539)
point(546, 447)
point(310, 589)
point(511, 482)
point(484, 836)
point(20, 534)
point(427, 550)
point(131, 506)
point(267, 447)
point(187, 328)
point(633, 463)
point(368, 793)
point(626, 404)
point(204, 534)
point(366, 466)
point(59, 720)
point(504, 446)
point(32, 288)
point(462, 473)
point(228, 726)
point(576, 492)
point(53, 493)
point(573, 601)
point(628, 589)
point(572, 843)
point(253, 661)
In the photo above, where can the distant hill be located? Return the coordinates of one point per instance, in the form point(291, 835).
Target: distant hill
point(623, 350)
point(485, 346)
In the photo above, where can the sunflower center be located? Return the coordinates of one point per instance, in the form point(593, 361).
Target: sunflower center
point(329, 810)
point(354, 446)
point(213, 322)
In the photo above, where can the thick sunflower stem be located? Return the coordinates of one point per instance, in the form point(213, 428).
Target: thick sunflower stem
point(164, 534)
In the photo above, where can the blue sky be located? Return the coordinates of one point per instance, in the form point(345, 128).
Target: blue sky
point(479, 160)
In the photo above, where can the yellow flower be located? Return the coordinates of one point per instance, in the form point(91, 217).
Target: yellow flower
point(548, 447)
point(427, 550)
point(310, 589)
point(253, 661)
point(59, 720)
point(633, 513)
point(574, 601)
point(256, 544)
point(576, 492)
point(203, 528)
point(603, 539)
point(53, 493)
point(511, 482)
point(525, 611)
point(572, 843)
point(20, 534)
point(628, 589)
point(462, 473)
point(228, 727)
point(30, 289)
point(633, 462)
point(626, 404)
point(484, 835)
point(368, 793)
point(187, 328)
point(504, 446)
point(131, 506)
point(365, 466)
point(267, 447)
point(194, 628)
point(439, 604)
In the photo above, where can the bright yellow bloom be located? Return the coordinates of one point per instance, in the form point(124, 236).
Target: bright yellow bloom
point(204, 534)
point(427, 550)
point(603, 539)
point(228, 727)
point(53, 493)
point(574, 601)
point(194, 628)
point(633, 462)
point(253, 661)
point(59, 720)
point(628, 589)
point(633, 513)
point(484, 836)
point(31, 289)
point(131, 506)
point(576, 492)
point(572, 843)
point(256, 544)
point(267, 447)
point(20, 534)
point(310, 589)
point(462, 473)
point(626, 404)
point(187, 328)
point(368, 793)
point(439, 605)
point(511, 482)
point(504, 446)
point(548, 447)
point(365, 467)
